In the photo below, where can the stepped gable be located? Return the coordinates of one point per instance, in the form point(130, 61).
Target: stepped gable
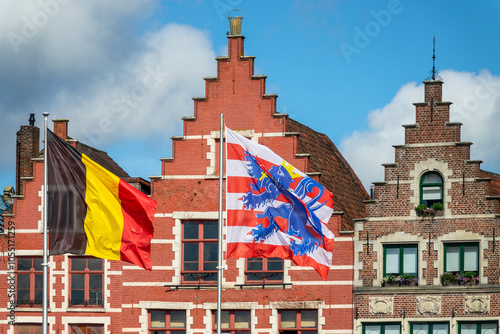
point(336, 173)
point(240, 95)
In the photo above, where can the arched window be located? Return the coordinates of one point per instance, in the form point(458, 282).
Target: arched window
point(431, 189)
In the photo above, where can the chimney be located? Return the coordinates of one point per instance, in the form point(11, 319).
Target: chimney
point(27, 148)
point(61, 128)
point(8, 192)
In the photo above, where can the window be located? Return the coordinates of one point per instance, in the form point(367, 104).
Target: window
point(87, 329)
point(233, 322)
point(477, 327)
point(429, 328)
point(298, 321)
point(86, 278)
point(431, 189)
point(164, 322)
point(28, 329)
point(199, 251)
point(381, 328)
point(29, 280)
point(400, 260)
point(264, 270)
point(461, 258)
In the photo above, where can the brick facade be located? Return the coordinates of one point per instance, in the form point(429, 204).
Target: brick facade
point(187, 190)
point(471, 216)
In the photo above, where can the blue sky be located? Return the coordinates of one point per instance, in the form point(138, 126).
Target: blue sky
point(349, 69)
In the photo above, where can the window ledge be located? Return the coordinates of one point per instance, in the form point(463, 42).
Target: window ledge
point(85, 309)
point(425, 289)
point(30, 309)
point(264, 286)
point(192, 287)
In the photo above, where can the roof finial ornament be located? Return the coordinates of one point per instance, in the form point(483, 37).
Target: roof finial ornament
point(433, 73)
point(235, 23)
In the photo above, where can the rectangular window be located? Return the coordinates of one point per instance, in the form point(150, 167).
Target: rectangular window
point(164, 322)
point(429, 328)
point(86, 280)
point(28, 329)
point(400, 260)
point(87, 329)
point(29, 281)
point(263, 270)
point(461, 258)
point(199, 251)
point(490, 327)
point(298, 321)
point(233, 322)
point(381, 328)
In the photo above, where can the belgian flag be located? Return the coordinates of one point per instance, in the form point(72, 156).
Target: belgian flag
point(93, 212)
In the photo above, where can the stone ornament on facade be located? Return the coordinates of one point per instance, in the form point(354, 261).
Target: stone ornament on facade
point(428, 305)
point(381, 305)
point(477, 304)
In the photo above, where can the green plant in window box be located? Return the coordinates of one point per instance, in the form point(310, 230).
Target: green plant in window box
point(468, 279)
point(409, 279)
point(391, 280)
point(449, 278)
point(424, 211)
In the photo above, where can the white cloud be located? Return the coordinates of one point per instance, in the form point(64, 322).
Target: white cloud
point(90, 62)
point(476, 102)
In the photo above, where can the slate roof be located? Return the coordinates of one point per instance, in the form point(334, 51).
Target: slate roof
point(337, 175)
point(494, 183)
point(103, 159)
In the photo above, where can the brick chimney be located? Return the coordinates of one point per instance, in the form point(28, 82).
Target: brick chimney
point(27, 148)
point(61, 128)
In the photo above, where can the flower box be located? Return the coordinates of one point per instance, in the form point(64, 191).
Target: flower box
point(464, 279)
point(399, 280)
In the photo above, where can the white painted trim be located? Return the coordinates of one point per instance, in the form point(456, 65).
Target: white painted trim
point(92, 320)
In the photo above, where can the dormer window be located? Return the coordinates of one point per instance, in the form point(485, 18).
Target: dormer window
point(431, 189)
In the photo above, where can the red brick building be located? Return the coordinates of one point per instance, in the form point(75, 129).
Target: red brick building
point(259, 296)
point(430, 272)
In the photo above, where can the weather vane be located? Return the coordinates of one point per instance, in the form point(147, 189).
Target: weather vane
point(433, 72)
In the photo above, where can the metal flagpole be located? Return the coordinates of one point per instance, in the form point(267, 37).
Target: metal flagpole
point(45, 263)
point(221, 224)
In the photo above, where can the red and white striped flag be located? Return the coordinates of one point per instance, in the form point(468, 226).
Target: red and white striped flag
point(273, 209)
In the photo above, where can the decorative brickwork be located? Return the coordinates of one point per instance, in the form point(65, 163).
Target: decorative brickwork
point(462, 238)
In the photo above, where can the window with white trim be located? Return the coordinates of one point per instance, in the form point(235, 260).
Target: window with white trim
point(264, 270)
point(431, 189)
point(298, 321)
point(87, 329)
point(167, 321)
point(233, 321)
point(461, 258)
point(429, 328)
point(382, 328)
point(401, 260)
point(482, 327)
point(199, 251)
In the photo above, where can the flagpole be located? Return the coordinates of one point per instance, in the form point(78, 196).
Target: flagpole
point(45, 263)
point(221, 224)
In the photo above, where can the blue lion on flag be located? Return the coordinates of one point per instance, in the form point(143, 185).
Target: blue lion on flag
point(267, 187)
